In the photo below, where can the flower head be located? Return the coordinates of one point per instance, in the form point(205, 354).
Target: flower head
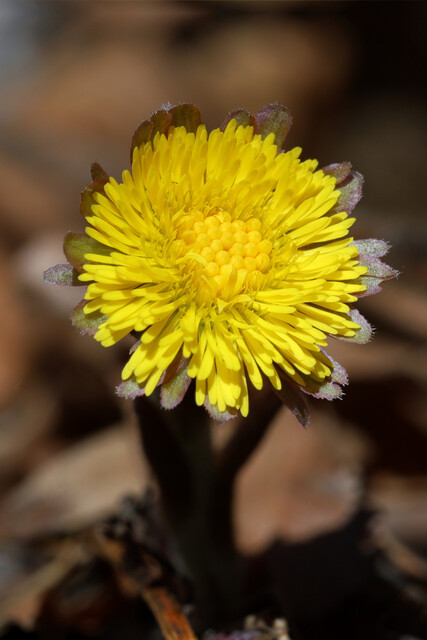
point(229, 258)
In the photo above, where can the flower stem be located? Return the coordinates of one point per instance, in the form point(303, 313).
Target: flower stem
point(197, 495)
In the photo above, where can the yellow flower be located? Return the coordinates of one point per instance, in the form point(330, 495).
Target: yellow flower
point(229, 259)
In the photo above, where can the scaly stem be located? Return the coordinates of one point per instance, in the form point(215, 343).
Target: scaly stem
point(235, 454)
point(178, 447)
point(197, 495)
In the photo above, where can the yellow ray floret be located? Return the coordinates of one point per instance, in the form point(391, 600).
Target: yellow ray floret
point(228, 254)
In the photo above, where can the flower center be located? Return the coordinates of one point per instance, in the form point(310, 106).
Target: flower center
point(225, 245)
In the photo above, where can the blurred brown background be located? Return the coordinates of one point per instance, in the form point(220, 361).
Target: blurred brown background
point(76, 80)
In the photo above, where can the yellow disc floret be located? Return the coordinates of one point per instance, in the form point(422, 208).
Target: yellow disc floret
point(220, 242)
